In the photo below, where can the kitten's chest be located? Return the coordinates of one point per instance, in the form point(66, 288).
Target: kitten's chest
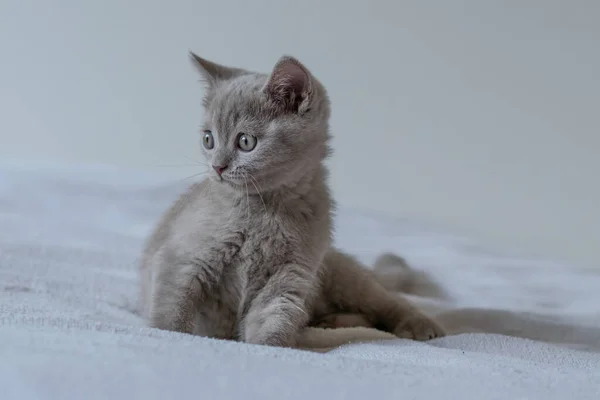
point(238, 251)
point(268, 239)
point(232, 235)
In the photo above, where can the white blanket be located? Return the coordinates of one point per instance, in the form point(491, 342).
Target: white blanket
point(69, 239)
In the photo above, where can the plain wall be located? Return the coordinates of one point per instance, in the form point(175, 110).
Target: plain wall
point(480, 116)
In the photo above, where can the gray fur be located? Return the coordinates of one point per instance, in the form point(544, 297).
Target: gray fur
point(247, 255)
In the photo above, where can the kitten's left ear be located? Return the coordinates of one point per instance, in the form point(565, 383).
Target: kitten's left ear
point(212, 72)
point(290, 85)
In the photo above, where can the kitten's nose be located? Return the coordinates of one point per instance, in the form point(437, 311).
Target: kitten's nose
point(220, 168)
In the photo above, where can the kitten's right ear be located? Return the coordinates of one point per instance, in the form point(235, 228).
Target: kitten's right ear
point(212, 73)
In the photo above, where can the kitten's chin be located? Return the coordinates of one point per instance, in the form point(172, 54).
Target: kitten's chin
point(233, 185)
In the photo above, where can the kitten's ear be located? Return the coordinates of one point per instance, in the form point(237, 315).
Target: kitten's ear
point(290, 85)
point(212, 72)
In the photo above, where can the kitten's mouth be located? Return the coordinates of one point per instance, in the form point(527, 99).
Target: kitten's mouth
point(237, 183)
point(242, 185)
point(225, 180)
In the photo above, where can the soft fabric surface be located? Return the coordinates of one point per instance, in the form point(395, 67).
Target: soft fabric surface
point(69, 239)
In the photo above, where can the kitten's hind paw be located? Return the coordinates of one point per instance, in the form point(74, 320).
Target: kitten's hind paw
point(419, 327)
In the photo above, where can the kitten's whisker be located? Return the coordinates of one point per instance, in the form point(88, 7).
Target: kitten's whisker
point(254, 182)
point(176, 166)
point(236, 209)
point(192, 176)
point(195, 161)
point(260, 187)
point(247, 197)
point(169, 165)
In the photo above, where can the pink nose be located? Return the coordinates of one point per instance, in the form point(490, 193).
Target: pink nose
point(220, 168)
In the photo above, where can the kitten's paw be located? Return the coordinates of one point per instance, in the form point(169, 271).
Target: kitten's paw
point(273, 340)
point(419, 327)
point(270, 333)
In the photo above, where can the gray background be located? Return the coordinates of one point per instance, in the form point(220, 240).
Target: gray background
point(478, 115)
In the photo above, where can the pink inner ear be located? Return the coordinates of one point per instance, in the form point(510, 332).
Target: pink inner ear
point(288, 79)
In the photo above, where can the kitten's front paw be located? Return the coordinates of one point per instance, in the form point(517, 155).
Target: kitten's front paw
point(271, 339)
point(419, 327)
point(270, 334)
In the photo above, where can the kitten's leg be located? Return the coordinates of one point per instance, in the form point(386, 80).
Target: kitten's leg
point(275, 307)
point(174, 300)
point(182, 283)
point(349, 288)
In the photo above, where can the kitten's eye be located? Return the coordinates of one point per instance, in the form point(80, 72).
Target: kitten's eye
point(246, 142)
point(208, 141)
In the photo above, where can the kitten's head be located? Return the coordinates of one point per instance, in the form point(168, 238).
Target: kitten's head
point(263, 132)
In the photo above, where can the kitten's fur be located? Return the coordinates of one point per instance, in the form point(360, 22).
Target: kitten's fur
point(247, 255)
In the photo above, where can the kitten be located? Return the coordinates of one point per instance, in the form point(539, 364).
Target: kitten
point(246, 254)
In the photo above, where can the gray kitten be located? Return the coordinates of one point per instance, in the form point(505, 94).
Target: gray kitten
point(246, 254)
